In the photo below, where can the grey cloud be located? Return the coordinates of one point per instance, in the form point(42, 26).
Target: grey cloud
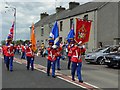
point(27, 12)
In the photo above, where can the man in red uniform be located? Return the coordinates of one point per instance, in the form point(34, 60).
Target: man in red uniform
point(9, 55)
point(51, 59)
point(30, 57)
point(76, 62)
point(70, 53)
point(59, 55)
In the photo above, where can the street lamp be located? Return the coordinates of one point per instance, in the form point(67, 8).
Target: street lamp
point(15, 19)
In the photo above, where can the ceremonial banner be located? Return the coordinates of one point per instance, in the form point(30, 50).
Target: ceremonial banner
point(83, 28)
point(33, 39)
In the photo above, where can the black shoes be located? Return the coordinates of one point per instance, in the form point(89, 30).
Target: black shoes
point(48, 74)
point(73, 79)
point(68, 68)
point(54, 76)
point(58, 69)
point(80, 81)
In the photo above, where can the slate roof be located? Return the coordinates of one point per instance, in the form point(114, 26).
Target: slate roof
point(84, 8)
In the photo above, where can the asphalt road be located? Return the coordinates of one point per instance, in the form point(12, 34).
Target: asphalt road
point(22, 78)
point(97, 75)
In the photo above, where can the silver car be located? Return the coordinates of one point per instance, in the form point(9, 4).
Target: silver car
point(97, 56)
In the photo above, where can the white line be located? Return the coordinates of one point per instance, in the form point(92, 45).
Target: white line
point(70, 82)
point(63, 78)
point(91, 85)
point(86, 83)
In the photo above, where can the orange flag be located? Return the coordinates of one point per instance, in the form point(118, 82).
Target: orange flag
point(33, 39)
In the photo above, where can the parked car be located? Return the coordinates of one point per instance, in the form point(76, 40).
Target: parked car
point(97, 56)
point(113, 59)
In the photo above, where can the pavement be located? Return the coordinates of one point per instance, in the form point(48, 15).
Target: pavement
point(94, 76)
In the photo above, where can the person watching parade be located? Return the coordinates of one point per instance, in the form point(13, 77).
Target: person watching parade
point(76, 61)
point(51, 59)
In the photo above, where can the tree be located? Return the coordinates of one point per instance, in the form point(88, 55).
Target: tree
point(3, 42)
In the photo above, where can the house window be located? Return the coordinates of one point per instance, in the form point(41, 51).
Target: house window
point(42, 31)
point(61, 25)
point(85, 17)
point(71, 23)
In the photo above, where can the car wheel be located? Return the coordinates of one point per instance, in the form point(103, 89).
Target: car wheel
point(101, 61)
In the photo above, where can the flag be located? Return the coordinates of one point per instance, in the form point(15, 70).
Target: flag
point(54, 34)
point(10, 35)
point(82, 30)
point(12, 29)
point(33, 39)
point(71, 34)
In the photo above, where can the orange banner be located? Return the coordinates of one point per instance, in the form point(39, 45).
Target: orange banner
point(33, 39)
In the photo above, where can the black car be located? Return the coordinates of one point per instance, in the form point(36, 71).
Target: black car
point(113, 59)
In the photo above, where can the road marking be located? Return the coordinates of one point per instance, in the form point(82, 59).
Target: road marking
point(71, 82)
point(61, 76)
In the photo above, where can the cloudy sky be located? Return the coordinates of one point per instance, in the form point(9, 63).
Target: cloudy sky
point(27, 12)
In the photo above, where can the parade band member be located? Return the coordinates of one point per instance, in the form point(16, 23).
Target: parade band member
point(76, 62)
point(69, 56)
point(30, 57)
point(59, 49)
point(9, 56)
point(51, 59)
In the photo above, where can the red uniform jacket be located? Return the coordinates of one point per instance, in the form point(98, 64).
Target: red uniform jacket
point(29, 52)
point(4, 50)
point(7, 53)
point(11, 50)
point(69, 51)
point(76, 54)
point(59, 51)
point(23, 48)
point(52, 54)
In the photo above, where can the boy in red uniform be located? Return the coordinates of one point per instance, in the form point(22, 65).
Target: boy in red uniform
point(76, 61)
point(51, 59)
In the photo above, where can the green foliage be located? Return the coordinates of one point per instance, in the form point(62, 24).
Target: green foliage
point(3, 42)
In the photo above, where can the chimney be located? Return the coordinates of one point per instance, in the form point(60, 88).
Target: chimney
point(59, 9)
point(44, 15)
point(73, 5)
